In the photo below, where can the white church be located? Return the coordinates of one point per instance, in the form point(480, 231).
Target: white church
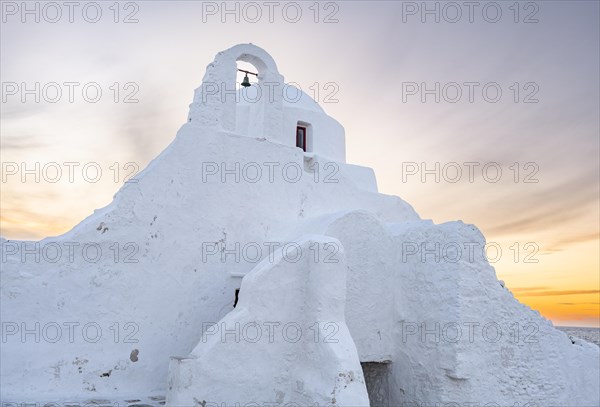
point(267, 271)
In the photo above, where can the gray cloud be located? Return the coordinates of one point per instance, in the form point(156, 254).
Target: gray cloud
point(22, 142)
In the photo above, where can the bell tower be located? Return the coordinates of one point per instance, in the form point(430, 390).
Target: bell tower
point(215, 100)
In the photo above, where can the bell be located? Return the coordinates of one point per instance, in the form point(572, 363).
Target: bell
point(246, 82)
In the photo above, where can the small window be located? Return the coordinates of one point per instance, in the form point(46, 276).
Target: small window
point(301, 137)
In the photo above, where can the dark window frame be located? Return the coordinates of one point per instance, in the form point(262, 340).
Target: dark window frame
point(304, 133)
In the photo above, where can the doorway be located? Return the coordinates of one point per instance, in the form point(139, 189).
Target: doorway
point(377, 381)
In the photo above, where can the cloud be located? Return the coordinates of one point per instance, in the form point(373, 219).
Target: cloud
point(15, 110)
point(523, 292)
point(555, 206)
point(559, 244)
point(21, 219)
point(23, 142)
point(579, 303)
point(142, 125)
point(24, 225)
point(529, 289)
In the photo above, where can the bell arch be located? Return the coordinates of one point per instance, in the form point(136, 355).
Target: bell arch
point(254, 55)
point(215, 100)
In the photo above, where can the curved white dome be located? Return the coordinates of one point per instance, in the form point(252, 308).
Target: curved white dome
point(292, 97)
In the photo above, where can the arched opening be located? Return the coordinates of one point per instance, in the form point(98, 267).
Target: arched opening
point(245, 66)
point(256, 56)
point(255, 112)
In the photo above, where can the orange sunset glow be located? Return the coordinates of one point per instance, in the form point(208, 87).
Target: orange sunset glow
point(543, 211)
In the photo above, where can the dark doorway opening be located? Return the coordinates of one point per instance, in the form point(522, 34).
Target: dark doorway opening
point(237, 296)
point(377, 381)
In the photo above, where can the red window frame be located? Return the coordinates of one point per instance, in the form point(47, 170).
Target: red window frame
point(304, 131)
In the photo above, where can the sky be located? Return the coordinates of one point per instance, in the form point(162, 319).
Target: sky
point(487, 112)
